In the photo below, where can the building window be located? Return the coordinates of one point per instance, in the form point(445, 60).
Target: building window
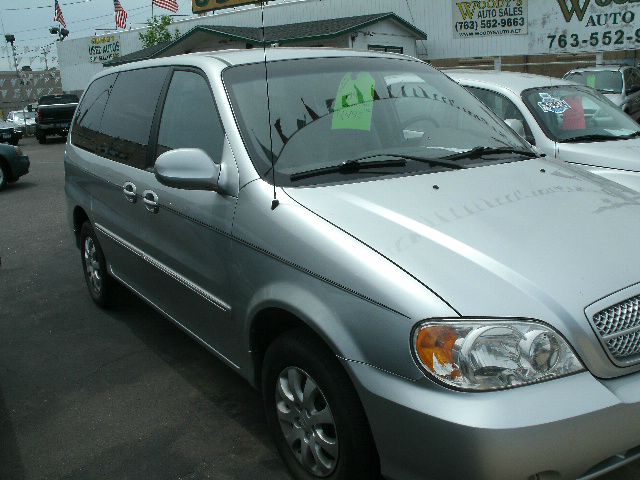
point(382, 48)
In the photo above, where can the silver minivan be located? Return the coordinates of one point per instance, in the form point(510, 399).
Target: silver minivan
point(415, 292)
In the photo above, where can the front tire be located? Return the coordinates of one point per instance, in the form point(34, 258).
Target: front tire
point(100, 284)
point(314, 413)
point(42, 139)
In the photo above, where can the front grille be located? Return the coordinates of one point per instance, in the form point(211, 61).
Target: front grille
point(619, 328)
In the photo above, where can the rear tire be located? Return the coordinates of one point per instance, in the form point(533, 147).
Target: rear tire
point(100, 284)
point(4, 176)
point(314, 413)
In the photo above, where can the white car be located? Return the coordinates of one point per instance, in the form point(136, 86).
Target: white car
point(572, 122)
point(22, 120)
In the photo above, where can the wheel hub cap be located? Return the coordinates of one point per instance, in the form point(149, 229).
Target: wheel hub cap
point(92, 265)
point(307, 422)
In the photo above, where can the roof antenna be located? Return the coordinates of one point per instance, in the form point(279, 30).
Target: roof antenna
point(274, 202)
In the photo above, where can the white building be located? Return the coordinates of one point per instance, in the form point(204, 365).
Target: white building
point(455, 29)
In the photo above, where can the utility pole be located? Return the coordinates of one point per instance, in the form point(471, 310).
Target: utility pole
point(45, 52)
point(12, 39)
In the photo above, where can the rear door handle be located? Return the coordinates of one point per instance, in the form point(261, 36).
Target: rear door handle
point(129, 190)
point(150, 199)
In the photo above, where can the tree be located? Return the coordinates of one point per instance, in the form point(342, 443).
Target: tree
point(157, 31)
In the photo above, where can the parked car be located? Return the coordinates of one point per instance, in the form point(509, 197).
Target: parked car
point(13, 164)
point(619, 83)
point(9, 134)
point(23, 121)
point(413, 289)
point(563, 120)
point(54, 115)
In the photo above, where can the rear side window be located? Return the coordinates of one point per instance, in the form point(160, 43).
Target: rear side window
point(86, 126)
point(189, 117)
point(129, 114)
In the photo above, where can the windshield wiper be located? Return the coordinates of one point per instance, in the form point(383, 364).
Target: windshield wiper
point(478, 152)
point(438, 162)
point(350, 166)
point(591, 138)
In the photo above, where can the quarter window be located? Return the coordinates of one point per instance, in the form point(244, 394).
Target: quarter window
point(85, 132)
point(189, 117)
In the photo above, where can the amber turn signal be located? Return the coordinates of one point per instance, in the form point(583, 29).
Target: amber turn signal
point(434, 346)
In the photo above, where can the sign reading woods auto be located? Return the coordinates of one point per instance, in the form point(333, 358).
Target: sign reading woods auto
point(103, 49)
point(590, 26)
point(483, 18)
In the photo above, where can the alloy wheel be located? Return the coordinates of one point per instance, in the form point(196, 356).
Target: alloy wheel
point(307, 422)
point(92, 266)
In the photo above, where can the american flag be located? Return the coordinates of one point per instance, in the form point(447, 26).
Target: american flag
point(121, 15)
point(168, 4)
point(58, 15)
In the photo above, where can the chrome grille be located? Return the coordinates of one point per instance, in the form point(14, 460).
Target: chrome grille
point(619, 328)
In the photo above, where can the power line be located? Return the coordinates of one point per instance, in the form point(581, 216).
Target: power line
point(42, 6)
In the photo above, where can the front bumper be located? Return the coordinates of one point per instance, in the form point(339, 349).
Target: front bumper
point(560, 429)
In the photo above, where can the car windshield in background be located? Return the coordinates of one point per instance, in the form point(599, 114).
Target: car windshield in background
point(605, 81)
point(58, 99)
point(331, 111)
point(27, 115)
point(573, 114)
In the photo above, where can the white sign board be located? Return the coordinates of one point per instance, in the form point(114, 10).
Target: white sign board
point(572, 26)
point(486, 18)
point(103, 49)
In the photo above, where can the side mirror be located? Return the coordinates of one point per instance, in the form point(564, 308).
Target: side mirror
point(187, 169)
point(516, 125)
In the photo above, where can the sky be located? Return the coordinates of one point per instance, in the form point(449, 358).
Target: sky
point(30, 20)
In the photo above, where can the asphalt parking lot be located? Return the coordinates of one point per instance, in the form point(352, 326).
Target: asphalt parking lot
point(122, 394)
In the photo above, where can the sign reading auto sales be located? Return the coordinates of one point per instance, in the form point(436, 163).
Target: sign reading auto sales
point(103, 49)
point(201, 6)
point(485, 18)
point(590, 26)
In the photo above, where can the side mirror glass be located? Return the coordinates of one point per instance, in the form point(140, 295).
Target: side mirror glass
point(516, 125)
point(187, 169)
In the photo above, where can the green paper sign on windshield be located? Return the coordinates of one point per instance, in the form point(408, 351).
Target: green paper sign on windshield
point(354, 103)
point(591, 81)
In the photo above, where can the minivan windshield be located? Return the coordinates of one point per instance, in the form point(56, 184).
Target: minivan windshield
point(605, 81)
point(569, 113)
point(337, 119)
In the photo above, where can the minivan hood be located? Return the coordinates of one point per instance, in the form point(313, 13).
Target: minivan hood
point(619, 154)
point(501, 240)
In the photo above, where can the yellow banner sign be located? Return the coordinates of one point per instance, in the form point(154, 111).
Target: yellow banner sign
point(199, 6)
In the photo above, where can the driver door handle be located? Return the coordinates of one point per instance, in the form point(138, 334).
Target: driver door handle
point(150, 199)
point(129, 190)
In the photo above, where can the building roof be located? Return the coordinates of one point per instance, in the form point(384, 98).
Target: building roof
point(281, 34)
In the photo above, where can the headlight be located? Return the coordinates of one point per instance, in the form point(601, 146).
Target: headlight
point(491, 354)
